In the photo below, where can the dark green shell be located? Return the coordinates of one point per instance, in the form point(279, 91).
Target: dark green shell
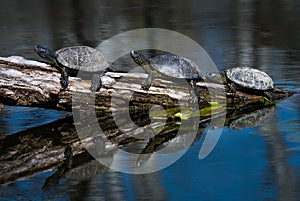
point(82, 58)
point(176, 66)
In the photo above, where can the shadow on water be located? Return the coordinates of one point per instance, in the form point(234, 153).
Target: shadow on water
point(257, 155)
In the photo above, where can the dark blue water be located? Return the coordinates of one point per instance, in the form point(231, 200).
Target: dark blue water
point(14, 119)
point(257, 163)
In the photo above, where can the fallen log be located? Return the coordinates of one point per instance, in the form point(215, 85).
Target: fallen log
point(31, 83)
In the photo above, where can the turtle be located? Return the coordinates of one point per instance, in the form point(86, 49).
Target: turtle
point(70, 60)
point(168, 65)
point(250, 80)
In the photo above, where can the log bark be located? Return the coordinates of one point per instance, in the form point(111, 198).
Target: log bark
point(31, 83)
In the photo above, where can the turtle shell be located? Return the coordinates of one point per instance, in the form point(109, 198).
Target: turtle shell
point(82, 58)
point(176, 66)
point(250, 78)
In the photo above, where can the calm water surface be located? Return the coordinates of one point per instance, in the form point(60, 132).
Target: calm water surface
point(258, 163)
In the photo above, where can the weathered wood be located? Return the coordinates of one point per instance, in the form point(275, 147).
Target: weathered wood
point(30, 83)
point(36, 84)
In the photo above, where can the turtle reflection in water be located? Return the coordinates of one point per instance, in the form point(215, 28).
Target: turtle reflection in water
point(169, 66)
point(70, 60)
point(79, 167)
point(170, 140)
point(252, 119)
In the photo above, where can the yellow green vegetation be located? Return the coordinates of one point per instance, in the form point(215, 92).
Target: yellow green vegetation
point(266, 101)
point(187, 112)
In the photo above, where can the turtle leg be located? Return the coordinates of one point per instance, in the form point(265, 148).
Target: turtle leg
point(232, 88)
point(146, 85)
point(64, 80)
point(194, 94)
point(270, 95)
point(96, 82)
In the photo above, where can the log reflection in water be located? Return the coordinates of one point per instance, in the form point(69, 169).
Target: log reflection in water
point(42, 148)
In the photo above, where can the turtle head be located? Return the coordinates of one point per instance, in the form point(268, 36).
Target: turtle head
point(139, 59)
point(45, 53)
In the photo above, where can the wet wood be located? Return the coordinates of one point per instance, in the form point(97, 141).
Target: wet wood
point(36, 84)
point(30, 83)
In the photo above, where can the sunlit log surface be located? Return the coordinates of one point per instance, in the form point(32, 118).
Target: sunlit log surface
point(31, 83)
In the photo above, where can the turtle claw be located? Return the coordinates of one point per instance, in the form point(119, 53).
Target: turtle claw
point(96, 82)
point(96, 87)
point(145, 87)
point(193, 99)
point(147, 84)
point(63, 83)
point(64, 79)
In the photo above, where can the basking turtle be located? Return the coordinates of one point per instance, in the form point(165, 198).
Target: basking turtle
point(167, 65)
point(71, 59)
point(250, 80)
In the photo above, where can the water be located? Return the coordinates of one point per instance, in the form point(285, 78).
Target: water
point(15, 119)
point(258, 163)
